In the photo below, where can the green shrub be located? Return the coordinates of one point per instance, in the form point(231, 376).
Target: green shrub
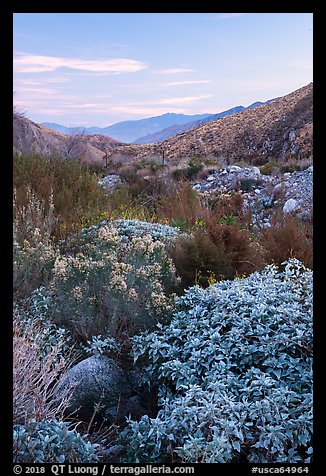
point(51, 442)
point(269, 168)
point(33, 313)
point(195, 165)
point(247, 184)
point(234, 372)
point(179, 174)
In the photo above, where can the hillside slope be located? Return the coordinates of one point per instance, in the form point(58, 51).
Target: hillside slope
point(279, 129)
point(276, 129)
point(29, 137)
point(177, 129)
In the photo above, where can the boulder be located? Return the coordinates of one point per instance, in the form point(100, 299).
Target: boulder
point(112, 454)
point(255, 170)
point(290, 205)
point(96, 382)
point(235, 168)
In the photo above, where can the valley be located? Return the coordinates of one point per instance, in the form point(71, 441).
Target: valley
point(168, 288)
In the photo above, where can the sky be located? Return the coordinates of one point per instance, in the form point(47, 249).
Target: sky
point(96, 69)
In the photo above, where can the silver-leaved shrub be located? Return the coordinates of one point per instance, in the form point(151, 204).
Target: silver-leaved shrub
point(234, 370)
point(111, 282)
point(33, 313)
point(51, 442)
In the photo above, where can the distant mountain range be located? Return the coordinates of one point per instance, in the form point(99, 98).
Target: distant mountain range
point(151, 129)
point(281, 128)
point(130, 131)
point(177, 129)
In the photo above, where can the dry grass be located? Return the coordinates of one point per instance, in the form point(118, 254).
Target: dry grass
point(288, 237)
point(36, 377)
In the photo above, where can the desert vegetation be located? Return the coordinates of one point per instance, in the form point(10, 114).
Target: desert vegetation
point(213, 316)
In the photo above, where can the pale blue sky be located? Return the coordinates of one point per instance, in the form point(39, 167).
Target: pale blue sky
point(97, 69)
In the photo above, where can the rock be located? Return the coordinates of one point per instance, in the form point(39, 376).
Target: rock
point(111, 181)
point(234, 168)
point(197, 186)
point(305, 215)
point(207, 186)
point(93, 381)
point(290, 205)
point(257, 191)
point(278, 187)
point(255, 170)
point(134, 408)
point(211, 178)
point(112, 454)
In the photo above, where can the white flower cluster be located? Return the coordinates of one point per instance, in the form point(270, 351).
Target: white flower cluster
point(108, 234)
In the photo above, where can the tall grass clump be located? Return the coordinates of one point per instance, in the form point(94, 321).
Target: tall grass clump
point(38, 368)
point(72, 187)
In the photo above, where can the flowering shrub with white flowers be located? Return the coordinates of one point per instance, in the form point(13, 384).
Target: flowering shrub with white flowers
point(33, 262)
point(234, 370)
point(33, 250)
point(125, 231)
point(111, 285)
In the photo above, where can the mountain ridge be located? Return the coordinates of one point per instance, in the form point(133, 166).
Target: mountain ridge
point(281, 129)
point(129, 131)
point(173, 130)
point(275, 129)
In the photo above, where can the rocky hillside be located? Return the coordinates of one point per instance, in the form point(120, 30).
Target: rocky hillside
point(263, 194)
point(177, 129)
point(29, 137)
point(277, 129)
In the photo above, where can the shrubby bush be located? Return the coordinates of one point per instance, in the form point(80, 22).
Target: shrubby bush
point(126, 229)
point(51, 442)
point(112, 282)
point(75, 192)
point(33, 313)
point(234, 371)
point(33, 250)
point(288, 236)
point(222, 248)
point(195, 165)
